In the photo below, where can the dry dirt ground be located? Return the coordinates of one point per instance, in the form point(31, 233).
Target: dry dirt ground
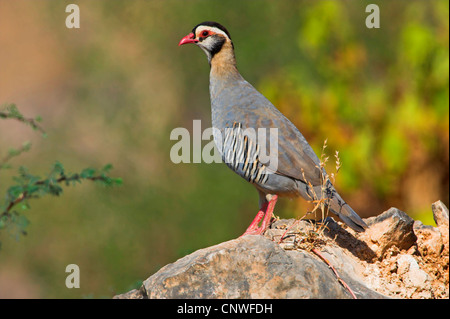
point(396, 256)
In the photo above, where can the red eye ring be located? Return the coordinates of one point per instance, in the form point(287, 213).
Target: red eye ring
point(205, 33)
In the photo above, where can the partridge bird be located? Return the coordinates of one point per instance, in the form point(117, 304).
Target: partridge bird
point(236, 106)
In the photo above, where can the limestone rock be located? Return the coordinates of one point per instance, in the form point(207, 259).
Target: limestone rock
point(429, 239)
point(248, 267)
point(395, 257)
point(413, 276)
point(391, 228)
point(440, 213)
point(133, 294)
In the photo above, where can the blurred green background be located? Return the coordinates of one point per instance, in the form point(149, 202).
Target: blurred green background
point(112, 91)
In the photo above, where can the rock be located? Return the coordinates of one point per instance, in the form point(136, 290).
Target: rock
point(412, 275)
point(429, 240)
point(391, 228)
point(248, 267)
point(132, 294)
point(433, 241)
point(395, 257)
point(403, 264)
point(440, 213)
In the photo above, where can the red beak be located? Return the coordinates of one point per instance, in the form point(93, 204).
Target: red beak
point(188, 39)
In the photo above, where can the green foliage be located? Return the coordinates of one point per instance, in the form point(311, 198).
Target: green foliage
point(27, 185)
point(379, 96)
point(10, 111)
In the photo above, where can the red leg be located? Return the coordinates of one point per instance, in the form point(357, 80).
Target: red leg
point(255, 222)
point(254, 225)
point(269, 213)
point(265, 212)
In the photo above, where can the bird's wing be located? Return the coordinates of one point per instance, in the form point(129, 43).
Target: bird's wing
point(294, 152)
point(253, 110)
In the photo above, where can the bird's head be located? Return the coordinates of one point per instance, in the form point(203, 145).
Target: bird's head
point(210, 37)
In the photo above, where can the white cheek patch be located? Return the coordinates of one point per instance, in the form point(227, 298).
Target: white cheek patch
point(210, 29)
point(207, 43)
point(206, 50)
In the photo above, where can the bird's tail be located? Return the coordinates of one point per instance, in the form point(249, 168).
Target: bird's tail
point(346, 213)
point(339, 207)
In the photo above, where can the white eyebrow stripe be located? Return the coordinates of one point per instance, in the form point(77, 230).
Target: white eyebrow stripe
point(212, 29)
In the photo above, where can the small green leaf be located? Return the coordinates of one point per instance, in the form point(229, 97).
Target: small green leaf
point(107, 168)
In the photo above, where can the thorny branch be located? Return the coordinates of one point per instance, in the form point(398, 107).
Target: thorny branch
point(19, 117)
point(25, 195)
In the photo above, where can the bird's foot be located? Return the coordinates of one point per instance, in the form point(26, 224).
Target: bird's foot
point(253, 229)
point(265, 216)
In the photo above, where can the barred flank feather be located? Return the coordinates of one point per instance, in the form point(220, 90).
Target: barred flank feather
point(242, 155)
